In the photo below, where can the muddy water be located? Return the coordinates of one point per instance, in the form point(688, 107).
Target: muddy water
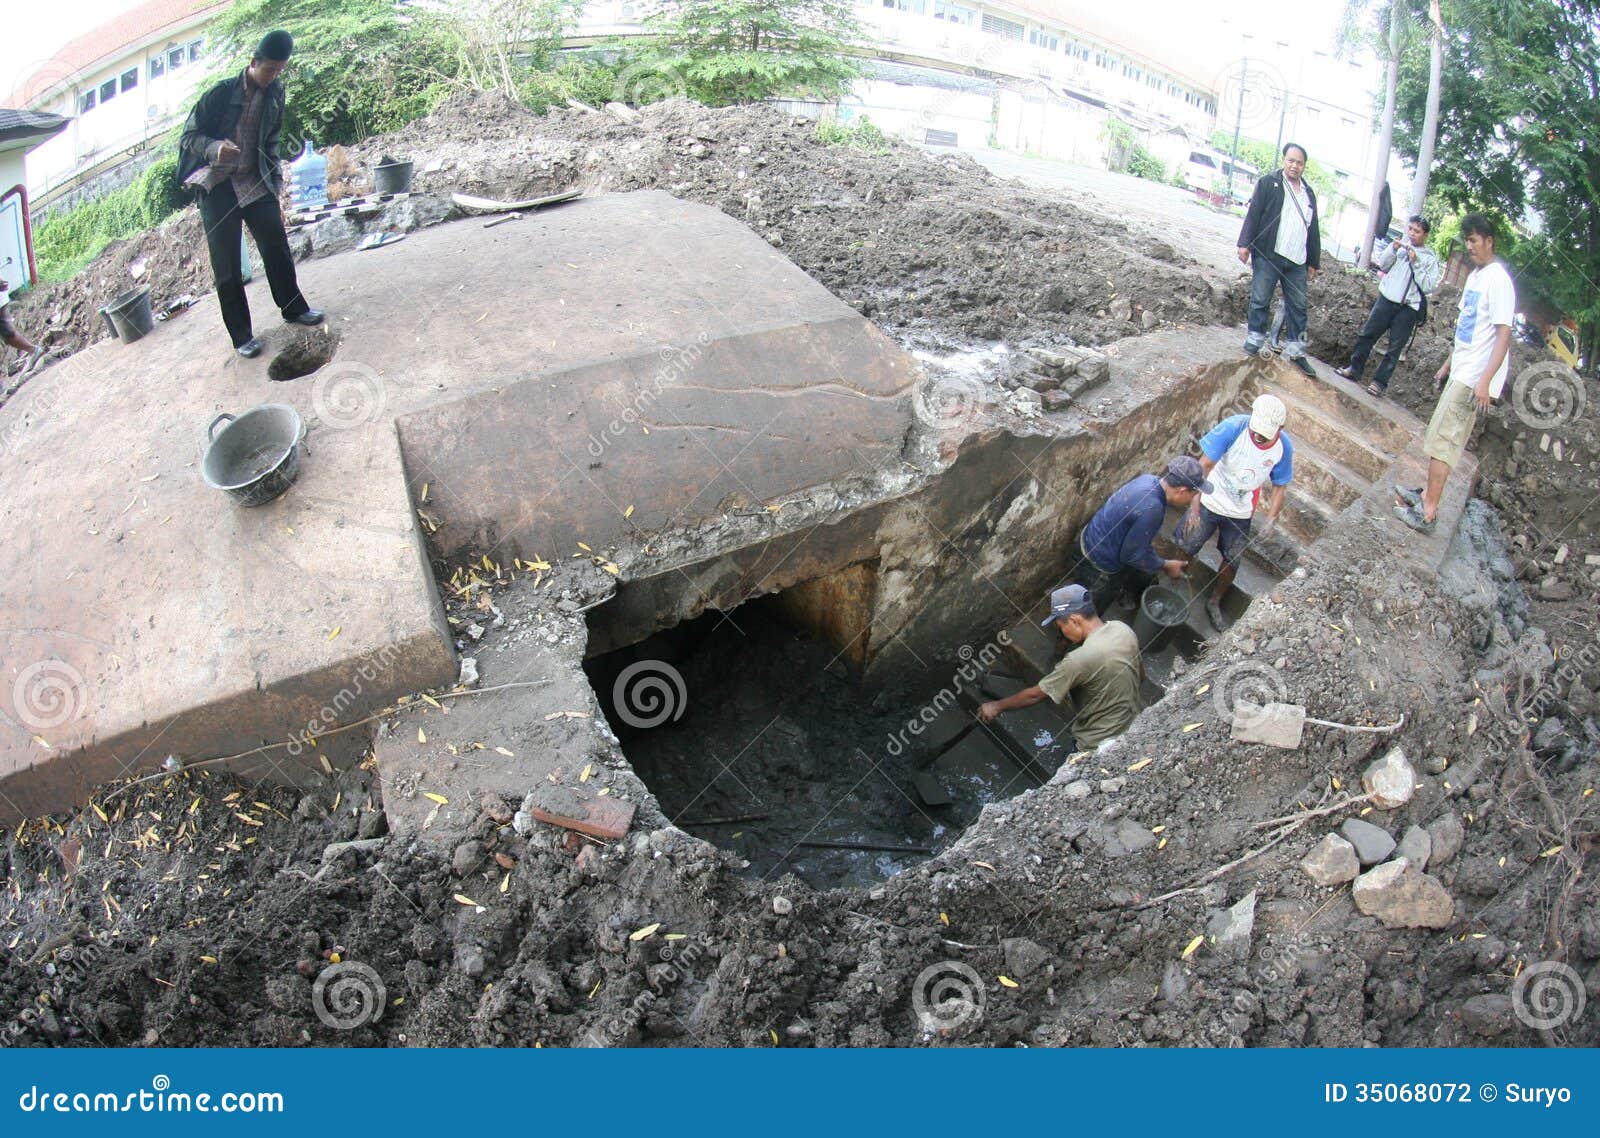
point(773, 724)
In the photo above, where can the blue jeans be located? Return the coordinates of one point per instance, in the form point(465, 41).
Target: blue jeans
point(1267, 270)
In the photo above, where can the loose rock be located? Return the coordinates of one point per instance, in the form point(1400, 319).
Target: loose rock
point(1403, 898)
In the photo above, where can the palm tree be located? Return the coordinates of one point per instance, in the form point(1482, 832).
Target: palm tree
point(1430, 116)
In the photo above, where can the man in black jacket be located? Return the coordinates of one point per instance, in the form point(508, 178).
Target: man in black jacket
point(229, 154)
point(1282, 244)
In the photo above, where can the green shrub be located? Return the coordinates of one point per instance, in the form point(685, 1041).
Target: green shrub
point(66, 242)
point(1143, 164)
point(860, 134)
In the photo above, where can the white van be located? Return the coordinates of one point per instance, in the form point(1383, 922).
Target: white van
point(1206, 172)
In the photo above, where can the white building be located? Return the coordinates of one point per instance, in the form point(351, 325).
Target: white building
point(124, 84)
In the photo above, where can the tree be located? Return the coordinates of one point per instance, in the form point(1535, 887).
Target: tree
point(360, 67)
point(1386, 37)
point(740, 51)
point(1519, 104)
point(1430, 116)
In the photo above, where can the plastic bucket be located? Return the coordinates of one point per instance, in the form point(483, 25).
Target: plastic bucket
point(392, 177)
point(130, 315)
point(1161, 609)
point(257, 456)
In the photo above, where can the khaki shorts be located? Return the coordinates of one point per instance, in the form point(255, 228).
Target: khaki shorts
point(1451, 425)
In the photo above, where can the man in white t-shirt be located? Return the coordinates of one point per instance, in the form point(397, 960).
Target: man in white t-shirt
point(1238, 456)
point(1473, 376)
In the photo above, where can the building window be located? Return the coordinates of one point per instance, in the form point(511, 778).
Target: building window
point(130, 79)
point(1041, 38)
point(175, 58)
point(86, 102)
point(1008, 29)
point(196, 48)
point(954, 13)
point(158, 67)
point(108, 90)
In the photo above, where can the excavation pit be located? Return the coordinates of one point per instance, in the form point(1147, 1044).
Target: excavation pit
point(304, 356)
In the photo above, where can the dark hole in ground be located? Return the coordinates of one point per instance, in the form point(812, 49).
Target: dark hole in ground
point(304, 356)
point(759, 738)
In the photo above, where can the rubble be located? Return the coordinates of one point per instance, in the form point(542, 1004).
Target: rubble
point(1403, 897)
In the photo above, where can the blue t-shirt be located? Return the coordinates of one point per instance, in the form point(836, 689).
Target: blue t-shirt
point(1121, 531)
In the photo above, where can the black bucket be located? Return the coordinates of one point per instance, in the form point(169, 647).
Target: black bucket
point(257, 455)
point(130, 315)
point(1161, 609)
point(392, 177)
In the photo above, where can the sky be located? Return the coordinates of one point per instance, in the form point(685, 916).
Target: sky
point(36, 28)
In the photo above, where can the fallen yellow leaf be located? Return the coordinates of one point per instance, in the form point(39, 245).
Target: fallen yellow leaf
point(1191, 726)
point(648, 930)
point(463, 899)
point(335, 631)
point(1007, 981)
point(584, 547)
point(422, 736)
point(439, 798)
point(1552, 851)
point(611, 567)
point(1140, 765)
point(628, 513)
point(1157, 829)
point(503, 751)
point(426, 698)
point(1202, 689)
point(985, 865)
point(209, 959)
point(1337, 784)
point(505, 883)
point(774, 1035)
point(587, 771)
point(945, 918)
point(1193, 944)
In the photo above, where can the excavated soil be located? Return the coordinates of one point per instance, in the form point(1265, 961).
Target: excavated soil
point(194, 910)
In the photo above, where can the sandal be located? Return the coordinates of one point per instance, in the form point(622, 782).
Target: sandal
point(1374, 389)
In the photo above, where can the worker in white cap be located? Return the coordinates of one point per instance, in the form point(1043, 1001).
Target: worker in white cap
point(1239, 455)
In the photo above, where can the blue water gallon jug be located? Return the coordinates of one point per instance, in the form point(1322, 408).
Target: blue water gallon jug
point(308, 179)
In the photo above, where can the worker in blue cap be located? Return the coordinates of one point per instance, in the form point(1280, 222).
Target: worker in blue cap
point(1116, 552)
point(229, 155)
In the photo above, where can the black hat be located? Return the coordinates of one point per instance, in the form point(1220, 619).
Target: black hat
point(276, 46)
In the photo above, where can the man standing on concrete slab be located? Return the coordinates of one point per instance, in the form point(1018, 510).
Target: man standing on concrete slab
point(229, 154)
point(1473, 376)
point(1281, 241)
point(1240, 455)
point(1102, 674)
point(1115, 555)
point(1401, 305)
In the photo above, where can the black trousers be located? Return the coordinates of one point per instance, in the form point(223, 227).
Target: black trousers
point(1399, 320)
point(221, 216)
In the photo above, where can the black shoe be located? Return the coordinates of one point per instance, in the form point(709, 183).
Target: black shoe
point(1304, 365)
point(309, 317)
point(251, 348)
point(1346, 373)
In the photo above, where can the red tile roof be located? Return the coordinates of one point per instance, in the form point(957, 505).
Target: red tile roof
point(105, 43)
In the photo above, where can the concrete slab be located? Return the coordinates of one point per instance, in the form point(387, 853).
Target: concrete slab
point(145, 613)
